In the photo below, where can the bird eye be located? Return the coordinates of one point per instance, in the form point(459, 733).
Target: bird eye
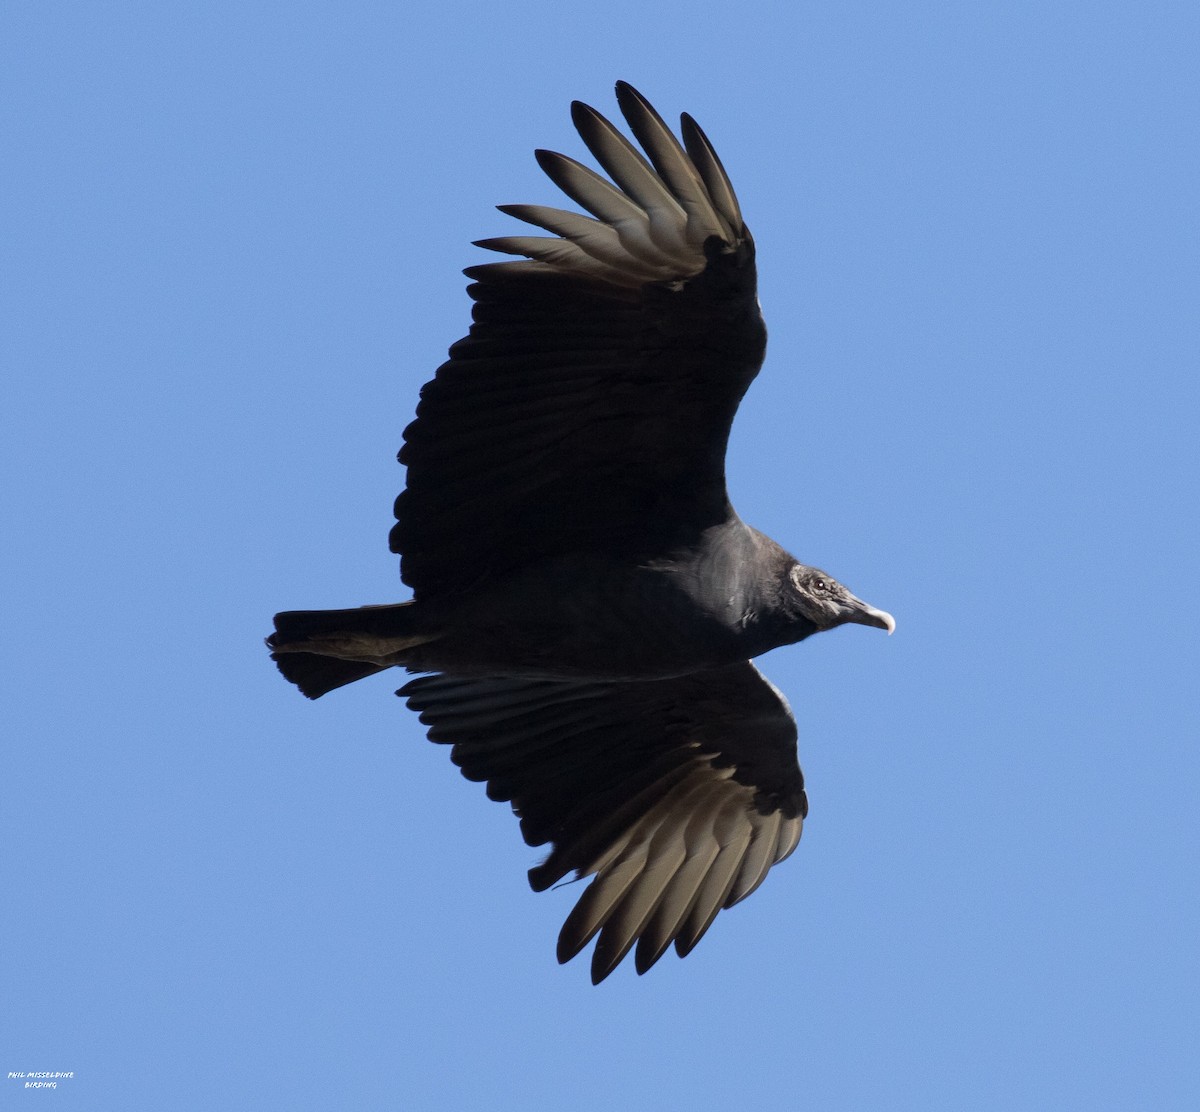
point(820, 585)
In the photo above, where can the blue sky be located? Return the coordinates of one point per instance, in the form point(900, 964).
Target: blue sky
point(233, 238)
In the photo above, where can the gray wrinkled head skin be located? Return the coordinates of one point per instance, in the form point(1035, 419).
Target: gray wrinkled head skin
point(827, 603)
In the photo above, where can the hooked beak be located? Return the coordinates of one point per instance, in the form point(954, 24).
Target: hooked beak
point(855, 610)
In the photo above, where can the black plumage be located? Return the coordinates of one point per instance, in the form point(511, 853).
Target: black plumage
point(584, 594)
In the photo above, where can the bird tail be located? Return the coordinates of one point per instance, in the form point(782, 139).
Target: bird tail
point(316, 675)
point(320, 650)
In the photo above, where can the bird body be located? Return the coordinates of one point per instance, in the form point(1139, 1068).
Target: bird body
point(584, 614)
point(586, 602)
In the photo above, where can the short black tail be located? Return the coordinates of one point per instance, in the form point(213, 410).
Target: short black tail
point(319, 650)
point(315, 675)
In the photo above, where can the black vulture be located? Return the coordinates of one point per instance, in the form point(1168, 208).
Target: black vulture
point(585, 598)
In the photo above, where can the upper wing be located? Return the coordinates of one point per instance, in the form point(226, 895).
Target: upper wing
point(589, 407)
point(678, 794)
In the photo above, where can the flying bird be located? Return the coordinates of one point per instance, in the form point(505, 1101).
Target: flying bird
point(585, 600)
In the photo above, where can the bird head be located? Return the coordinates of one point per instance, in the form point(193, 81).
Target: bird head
point(826, 603)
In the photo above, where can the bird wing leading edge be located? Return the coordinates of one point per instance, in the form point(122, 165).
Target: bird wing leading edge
point(678, 795)
point(589, 407)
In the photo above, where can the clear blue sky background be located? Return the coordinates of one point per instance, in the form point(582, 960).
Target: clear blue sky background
point(232, 237)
